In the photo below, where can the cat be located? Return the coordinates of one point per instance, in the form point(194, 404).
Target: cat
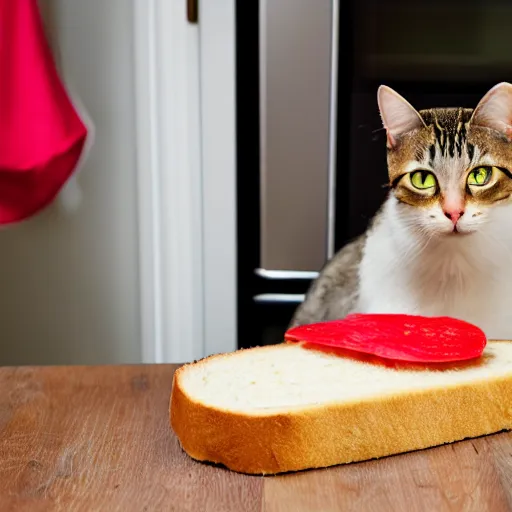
point(441, 243)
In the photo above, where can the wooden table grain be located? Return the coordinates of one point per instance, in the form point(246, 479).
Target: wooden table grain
point(98, 439)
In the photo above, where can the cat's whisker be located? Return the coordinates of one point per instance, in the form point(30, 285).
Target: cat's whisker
point(499, 242)
point(414, 250)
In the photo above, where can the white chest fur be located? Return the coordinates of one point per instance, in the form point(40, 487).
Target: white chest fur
point(464, 276)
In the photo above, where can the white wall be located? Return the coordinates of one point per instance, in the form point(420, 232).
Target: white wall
point(68, 284)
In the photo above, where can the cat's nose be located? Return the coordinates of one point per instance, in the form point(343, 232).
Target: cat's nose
point(454, 215)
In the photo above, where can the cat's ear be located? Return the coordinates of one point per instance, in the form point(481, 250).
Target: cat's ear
point(495, 110)
point(397, 114)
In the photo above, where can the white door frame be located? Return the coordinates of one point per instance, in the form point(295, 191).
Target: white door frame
point(185, 93)
point(218, 137)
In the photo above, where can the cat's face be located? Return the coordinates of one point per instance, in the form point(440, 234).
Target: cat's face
point(450, 170)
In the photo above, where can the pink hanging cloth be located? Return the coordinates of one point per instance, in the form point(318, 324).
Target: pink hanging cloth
point(42, 136)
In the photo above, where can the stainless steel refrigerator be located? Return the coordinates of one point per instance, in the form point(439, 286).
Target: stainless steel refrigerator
point(311, 161)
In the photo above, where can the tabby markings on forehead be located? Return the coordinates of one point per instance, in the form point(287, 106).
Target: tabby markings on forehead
point(450, 131)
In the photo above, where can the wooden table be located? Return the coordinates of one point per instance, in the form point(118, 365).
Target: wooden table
point(98, 439)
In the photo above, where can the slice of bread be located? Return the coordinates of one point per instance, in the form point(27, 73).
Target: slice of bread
point(292, 407)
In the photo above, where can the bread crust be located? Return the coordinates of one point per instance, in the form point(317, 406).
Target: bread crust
point(338, 433)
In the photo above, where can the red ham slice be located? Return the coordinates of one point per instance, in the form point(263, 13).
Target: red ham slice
point(395, 336)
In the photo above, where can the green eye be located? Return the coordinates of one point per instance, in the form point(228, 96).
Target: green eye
point(423, 180)
point(480, 176)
